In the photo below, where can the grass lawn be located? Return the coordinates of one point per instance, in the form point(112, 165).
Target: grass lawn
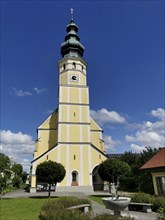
point(98, 198)
point(21, 208)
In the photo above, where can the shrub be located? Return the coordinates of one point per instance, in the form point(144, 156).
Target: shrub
point(57, 209)
point(142, 198)
point(8, 189)
point(159, 204)
point(157, 201)
point(63, 214)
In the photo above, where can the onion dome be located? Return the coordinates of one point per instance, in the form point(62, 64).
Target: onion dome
point(72, 47)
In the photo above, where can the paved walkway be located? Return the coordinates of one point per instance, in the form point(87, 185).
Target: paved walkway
point(97, 208)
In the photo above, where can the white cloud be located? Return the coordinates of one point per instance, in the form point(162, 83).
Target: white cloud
point(21, 93)
point(137, 149)
point(39, 91)
point(48, 112)
point(109, 143)
point(149, 134)
point(18, 146)
point(103, 116)
point(158, 113)
point(146, 137)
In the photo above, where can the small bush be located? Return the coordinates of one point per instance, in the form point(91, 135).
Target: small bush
point(57, 209)
point(63, 214)
point(142, 198)
point(8, 189)
point(159, 204)
point(157, 201)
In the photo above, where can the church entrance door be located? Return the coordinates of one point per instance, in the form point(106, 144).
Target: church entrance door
point(74, 178)
point(98, 183)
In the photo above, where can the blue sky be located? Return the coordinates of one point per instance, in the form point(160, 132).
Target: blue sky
point(124, 49)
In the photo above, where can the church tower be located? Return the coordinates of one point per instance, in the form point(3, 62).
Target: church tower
point(69, 135)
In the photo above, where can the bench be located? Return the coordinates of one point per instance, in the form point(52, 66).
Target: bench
point(84, 207)
point(145, 207)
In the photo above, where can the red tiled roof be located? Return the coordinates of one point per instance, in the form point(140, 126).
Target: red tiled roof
point(158, 160)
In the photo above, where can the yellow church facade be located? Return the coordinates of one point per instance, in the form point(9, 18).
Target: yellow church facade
point(69, 135)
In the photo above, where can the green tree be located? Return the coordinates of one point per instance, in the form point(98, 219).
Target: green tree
point(5, 162)
point(17, 169)
point(140, 180)
point(112, 169)
point(146, 155)
point(130, 158)
point(50, 172)
point(3, 184)
point(24, 176)
point(17, 182)
point(131, 184)
point(5, 173)
point(144, 177)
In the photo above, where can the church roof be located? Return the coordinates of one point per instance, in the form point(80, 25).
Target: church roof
point(158, 160)
point(115, 155)
point(72, 47)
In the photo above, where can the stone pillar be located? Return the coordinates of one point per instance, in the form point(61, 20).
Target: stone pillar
point(33, 184)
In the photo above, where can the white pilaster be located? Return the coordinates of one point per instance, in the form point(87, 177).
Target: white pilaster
point(81, 166)
point(90, 164)
point(68, 181)
point(59, 153)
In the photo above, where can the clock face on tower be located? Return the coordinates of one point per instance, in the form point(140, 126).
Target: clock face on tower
point(73, 78)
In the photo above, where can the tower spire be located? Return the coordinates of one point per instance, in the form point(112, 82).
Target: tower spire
point(71, 47)
point(71, 12)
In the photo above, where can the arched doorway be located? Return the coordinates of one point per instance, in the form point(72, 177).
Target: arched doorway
point(74, 178)
point(98, 183)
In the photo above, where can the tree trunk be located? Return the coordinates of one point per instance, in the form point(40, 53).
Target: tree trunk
point(49, 190)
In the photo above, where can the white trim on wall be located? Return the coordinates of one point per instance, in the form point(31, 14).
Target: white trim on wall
point(67, 165)
point(81, 166)
point(90, 164)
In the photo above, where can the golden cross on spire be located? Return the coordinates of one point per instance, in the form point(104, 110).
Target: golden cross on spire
point(71, 12)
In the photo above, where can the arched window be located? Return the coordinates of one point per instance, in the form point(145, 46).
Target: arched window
point(74, 176)
point(82, 67)
point(64, 66)
point(74, 65)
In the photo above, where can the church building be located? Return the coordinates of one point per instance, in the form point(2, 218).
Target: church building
point(70, 136)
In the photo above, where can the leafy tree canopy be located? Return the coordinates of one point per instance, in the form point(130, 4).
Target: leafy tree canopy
point(141, 180)
point(17, 169)
point(112, 169)
point(50, 172)
point(146, 155)
point(24, 176)
point(130, 157)
point(5, 162)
